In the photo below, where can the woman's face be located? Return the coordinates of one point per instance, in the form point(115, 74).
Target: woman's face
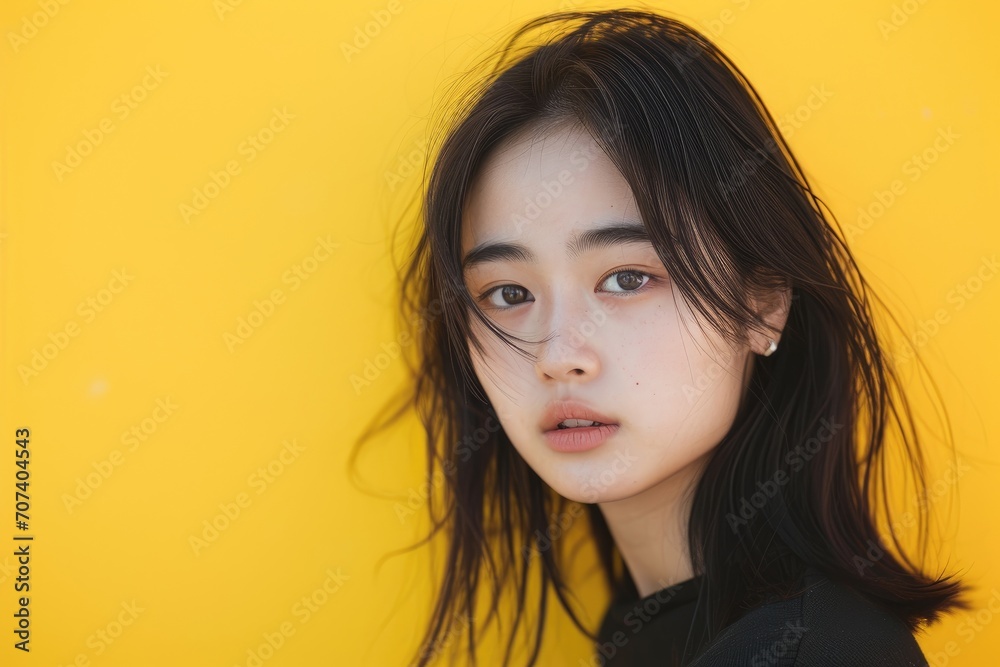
point(623, 342)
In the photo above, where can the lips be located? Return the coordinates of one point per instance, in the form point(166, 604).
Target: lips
point(559, 411)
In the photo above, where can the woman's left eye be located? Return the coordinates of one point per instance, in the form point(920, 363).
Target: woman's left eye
point(628, 280)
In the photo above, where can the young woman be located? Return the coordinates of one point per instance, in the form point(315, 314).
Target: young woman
point(630, 308)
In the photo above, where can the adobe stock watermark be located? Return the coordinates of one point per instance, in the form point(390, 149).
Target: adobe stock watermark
point(392, 350)
point(715, 372)
point(364, 34)
point(635, 620)
point(248, 150)
point(463, 450)
point(595, 319)
point(264, 309)
point(788, 123)
point(591, 490)
point(552, 189)
point(104, 637)
point(899, 16)
point(713, 26)
point(769, 488)
point(454, 631)
point(406, 165)
point(907, 520)
point(103, 469)
point(223, 7)
point(559, 525)
point(792, 121)
point(958, 297)
point(621, 464)
point(88, 310)
point(231, 510)
point(303, 611)
point(121, 108)
point(32, 23)
point(373, 367)
point(971, 626)
point(549, 192)
point(779, 648)
point(7, 568)
point(914, 168)
point(726, 17)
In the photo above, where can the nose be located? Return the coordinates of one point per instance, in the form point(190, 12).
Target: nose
point(570, 354)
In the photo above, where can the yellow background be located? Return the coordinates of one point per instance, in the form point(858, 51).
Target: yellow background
point(340, 136)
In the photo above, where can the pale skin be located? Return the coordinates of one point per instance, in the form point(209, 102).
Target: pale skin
point(628, 345)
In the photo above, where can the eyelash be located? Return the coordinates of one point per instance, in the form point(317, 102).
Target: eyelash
point(626, 293)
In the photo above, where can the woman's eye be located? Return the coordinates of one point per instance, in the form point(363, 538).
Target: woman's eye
point(623, 281)
point(506, 296)
point(626, 280)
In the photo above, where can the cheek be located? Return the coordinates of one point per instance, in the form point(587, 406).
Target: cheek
point(503, 393)
point(498, 372)
point(683, 380)
point(489, 363)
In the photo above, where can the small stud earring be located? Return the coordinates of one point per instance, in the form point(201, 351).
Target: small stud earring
point(771, 347)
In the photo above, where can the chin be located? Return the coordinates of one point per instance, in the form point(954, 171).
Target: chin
point(585, 488)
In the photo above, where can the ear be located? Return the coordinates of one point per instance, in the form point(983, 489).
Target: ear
point(773, 306)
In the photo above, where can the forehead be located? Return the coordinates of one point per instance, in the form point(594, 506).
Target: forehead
point(556, 175)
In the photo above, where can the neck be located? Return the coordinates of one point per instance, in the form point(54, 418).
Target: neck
point(650, 530)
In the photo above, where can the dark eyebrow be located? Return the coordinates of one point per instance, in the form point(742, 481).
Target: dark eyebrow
point(605, 236)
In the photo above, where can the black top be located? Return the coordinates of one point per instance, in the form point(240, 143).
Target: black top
point(827, 624)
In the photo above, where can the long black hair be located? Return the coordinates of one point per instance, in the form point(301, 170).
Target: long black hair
point(729, 211)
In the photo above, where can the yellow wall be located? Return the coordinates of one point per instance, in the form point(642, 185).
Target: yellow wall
point(154, 412)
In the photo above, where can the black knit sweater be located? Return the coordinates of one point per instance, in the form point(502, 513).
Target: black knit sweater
point(827, 624)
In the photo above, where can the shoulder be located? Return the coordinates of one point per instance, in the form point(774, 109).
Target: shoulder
point(828, 624)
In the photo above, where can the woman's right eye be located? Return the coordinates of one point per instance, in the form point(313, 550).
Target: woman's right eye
point(504, 297)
